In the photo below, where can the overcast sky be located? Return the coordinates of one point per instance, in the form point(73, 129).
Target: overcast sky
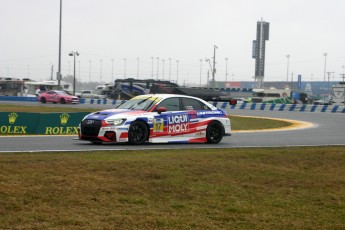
point(184, 30)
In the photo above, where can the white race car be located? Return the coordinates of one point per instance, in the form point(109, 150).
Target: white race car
point(157, 118)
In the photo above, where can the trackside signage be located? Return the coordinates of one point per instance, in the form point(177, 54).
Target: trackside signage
point(18, 123)
point(40, 123)
point(59, 123)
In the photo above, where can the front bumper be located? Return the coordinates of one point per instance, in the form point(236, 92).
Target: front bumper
point(97, 130)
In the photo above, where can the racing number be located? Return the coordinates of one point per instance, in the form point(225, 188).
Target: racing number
point(158, 125)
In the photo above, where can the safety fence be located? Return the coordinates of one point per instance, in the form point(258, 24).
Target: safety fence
point(223, 105)
point(18, 123)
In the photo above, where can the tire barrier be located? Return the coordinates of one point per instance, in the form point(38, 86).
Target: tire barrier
point(17, 123)
point(17, 98)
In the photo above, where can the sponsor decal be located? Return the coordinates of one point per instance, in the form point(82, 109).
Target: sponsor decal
point(108, 129)
point(12, 117)
point(178, 123)
point(192, 114)
point(210, 112)
point(122, 129)
point(64, 118)
point(62, 129)
point(90, 122)
point(9, 129)
point(200, 133)
point(158, 125)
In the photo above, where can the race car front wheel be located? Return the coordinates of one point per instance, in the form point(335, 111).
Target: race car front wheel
point(137, 133)
point(214, 132)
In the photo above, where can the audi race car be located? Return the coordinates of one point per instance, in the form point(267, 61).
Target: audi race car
point(157, 118)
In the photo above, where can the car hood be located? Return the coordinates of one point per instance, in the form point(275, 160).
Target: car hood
point(120, 113)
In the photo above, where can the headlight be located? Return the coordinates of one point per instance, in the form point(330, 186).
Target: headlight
point(115, 121)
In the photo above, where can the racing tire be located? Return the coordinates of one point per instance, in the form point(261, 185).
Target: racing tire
point(62, 101)
point(214, 132)
point(43, 100)
point(138, 133)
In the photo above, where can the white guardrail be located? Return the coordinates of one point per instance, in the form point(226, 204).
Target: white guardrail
point(246, 106)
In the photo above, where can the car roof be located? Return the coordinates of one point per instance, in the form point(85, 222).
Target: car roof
point(164, 96)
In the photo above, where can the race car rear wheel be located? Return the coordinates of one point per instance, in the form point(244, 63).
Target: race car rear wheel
point(138, 133)
point(214, 132)
point(43, 100)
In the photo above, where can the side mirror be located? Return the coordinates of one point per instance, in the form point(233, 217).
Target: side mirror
point(161, 110)
point(233, 102)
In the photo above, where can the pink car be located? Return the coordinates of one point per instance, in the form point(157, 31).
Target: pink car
point(57, 96)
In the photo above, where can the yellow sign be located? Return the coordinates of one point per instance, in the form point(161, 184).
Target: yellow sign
point(64, 118)
point(158, 125)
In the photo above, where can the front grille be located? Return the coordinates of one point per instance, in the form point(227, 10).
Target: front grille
point(90, 127)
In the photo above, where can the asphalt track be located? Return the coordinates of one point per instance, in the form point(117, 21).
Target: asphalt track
point(326, 129)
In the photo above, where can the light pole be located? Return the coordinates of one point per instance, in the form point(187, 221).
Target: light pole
point(101, 70)
point(90, 71)
point(79, 77)
point(208, 74)
point(125, 68)
point(169, 69)
point(200, 71)
point(74, 54)
point(157, 67)
point(329, 89)
point(137, 68)
point(152, 68)
point(214, 65)
point(163, 61)
point(287, 72)
point(226, 71)
point(324, 72)
point(112, 71)
point(177, 61)
point(59, 66)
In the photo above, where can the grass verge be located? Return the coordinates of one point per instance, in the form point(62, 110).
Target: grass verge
point(266, 188)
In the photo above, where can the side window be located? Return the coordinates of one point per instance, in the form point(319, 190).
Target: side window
point(172, 104)
point(192, 104)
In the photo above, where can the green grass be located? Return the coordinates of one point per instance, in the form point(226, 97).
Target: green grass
point(267, 188)
point(41, 109)
point(238, 123)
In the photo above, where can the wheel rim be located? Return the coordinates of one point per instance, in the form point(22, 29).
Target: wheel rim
point(215, 132)
point(137, 133)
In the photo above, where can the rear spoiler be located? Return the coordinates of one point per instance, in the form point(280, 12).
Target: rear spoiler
point(231, 101)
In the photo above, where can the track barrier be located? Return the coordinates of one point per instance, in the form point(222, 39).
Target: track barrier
point(281, 107)
point(17, 123)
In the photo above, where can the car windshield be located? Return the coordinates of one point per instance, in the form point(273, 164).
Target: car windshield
point(62, 92)
point(139, 103)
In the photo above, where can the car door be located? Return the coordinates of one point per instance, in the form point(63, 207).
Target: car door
point(173, 122)
point(197, 113)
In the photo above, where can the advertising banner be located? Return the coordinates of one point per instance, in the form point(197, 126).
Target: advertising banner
point(59, 123)
point(15, 123)
point(18, 123)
